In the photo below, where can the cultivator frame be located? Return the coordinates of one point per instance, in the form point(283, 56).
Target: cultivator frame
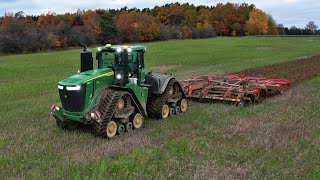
point(235, 88)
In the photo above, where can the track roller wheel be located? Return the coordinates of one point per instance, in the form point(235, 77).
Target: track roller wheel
point(172, 112)
point(121, 129)
point(120, 104)
point(111, 129)
point(137, 120)
point(178, 109)
point(183, 105)
point(124, 102)
point(129, 126)
point(165, 111)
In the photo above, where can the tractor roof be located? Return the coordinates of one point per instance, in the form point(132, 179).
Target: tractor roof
point(115, 47)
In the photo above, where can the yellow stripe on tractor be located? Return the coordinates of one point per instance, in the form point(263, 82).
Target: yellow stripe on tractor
point(107, 74)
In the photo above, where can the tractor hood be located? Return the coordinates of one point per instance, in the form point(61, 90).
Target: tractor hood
point(87, 76)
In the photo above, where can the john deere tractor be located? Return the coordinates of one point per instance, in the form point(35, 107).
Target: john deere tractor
point(115, 97)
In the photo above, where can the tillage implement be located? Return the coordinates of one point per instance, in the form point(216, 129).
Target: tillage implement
point(115, 97)
point(239, 89)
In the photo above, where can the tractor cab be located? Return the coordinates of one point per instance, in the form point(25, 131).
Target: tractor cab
point(126, 62)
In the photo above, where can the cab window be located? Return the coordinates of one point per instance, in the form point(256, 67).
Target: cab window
point(107, 60)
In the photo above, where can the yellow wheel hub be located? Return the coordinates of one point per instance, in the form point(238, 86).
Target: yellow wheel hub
point(165, 111)
point(184, 105)
point(137, 121)
point(121, 104)
point(111, 129)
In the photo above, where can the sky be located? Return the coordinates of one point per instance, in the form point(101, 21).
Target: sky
point(287, 12)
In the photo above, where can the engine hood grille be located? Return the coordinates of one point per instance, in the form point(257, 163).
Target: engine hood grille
point(73, 101)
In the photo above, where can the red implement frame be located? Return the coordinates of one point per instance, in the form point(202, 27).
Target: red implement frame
point(233, 88)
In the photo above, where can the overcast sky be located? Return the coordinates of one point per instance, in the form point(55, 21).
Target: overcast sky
point(287, 12)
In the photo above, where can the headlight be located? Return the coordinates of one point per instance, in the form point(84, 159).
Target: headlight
point(99, 49)
point(75, 88)
point(129, 50)
point(119, 50)
point(60, 87)
point(118, 76)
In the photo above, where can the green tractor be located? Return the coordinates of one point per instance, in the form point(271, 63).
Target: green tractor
point(115, 97)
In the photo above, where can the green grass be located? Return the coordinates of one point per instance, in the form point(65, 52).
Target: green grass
point(276, 139)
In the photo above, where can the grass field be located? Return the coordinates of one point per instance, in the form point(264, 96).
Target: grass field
point(276, 139)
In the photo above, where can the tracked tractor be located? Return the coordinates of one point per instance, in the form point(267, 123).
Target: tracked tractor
point(115, 97)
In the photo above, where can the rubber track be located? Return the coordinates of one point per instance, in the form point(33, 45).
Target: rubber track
point(107, 106)
point(154, 108)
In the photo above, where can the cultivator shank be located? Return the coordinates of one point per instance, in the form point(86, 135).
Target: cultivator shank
point(233, 88)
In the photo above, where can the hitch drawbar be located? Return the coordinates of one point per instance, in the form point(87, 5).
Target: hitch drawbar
point(233, 88)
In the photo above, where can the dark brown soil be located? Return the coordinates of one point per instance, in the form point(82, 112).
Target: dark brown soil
point(295, 71)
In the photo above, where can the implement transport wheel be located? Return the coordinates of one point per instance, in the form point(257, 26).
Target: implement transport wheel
point(165, 111)
point(121, 129)
point(111, 129)
point(129, 126)
point(137, 120)
point(183, 105)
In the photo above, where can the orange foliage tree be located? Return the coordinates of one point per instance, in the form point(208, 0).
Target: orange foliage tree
point(91, 21)
point(137, 26)
point(258, 23)
point(49, 19)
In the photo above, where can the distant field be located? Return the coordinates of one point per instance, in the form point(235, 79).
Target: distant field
point(276, 139)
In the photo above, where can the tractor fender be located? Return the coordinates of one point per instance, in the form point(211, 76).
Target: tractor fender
point(165, 84)
point(158, 82)
point(135, 100)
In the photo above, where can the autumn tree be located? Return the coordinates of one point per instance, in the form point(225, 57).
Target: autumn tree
point(281, 29)
point(242, 16)
point(49, 19)
point(137, 26)
point(190, 15)
point(92, 22)
point(258, 23)
point(272, 30)
point(224, 19)
point(203, 18)
point(186, 32)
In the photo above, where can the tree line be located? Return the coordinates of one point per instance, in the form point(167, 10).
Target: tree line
point(20, 33)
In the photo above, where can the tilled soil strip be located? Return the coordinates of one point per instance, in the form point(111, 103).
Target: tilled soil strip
point(295, 71)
